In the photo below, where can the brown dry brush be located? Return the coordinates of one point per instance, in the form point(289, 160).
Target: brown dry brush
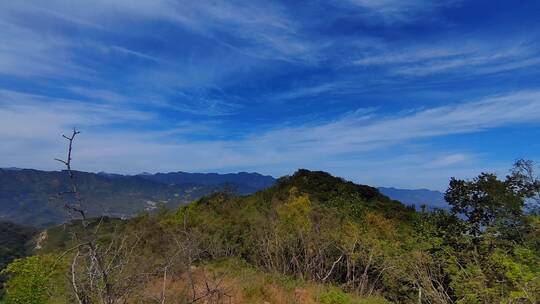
point(318, 256)
point(430, 279)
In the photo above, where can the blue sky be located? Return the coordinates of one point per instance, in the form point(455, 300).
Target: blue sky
point(383, 92)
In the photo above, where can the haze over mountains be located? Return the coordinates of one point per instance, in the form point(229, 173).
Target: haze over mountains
point(30, 197)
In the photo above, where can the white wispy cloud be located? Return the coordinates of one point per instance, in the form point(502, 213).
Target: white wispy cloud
point(203, 102)
point(392, 11)
point(462, 56)
point(97, 94)
point(353, 134)
point(262, 29)
point(407, 56)
point(126, 51)
point(309, 91)
point(447, 160)
point(23, 52)
point(31, 116)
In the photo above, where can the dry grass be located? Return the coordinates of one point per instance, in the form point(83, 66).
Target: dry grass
point(235, 282)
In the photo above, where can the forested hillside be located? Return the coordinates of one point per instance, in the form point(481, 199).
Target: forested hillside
point(311, 238)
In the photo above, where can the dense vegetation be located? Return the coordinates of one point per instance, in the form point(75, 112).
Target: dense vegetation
point(14, 244)
point(311, 238)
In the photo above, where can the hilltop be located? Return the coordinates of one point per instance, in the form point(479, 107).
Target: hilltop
point(309, 210)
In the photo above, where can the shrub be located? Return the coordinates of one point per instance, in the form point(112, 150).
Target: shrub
point(28, 280)
point(335, 296)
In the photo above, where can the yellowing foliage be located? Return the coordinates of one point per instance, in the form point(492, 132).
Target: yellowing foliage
point(294, 215)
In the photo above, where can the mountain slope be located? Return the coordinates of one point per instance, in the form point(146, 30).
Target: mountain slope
point(309, 225)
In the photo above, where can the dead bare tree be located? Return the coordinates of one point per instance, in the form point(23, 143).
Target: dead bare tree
point(99, 270)
point(76, 205)
point(87, 247)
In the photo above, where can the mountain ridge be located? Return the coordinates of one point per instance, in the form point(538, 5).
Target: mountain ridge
point(29, 196)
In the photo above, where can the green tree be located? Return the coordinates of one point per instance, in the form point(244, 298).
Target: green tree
point(28, 280)
point(485, 201)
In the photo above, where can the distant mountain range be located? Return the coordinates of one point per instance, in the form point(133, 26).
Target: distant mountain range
point(242, 182)
point(432, 199)
point(30, 197)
